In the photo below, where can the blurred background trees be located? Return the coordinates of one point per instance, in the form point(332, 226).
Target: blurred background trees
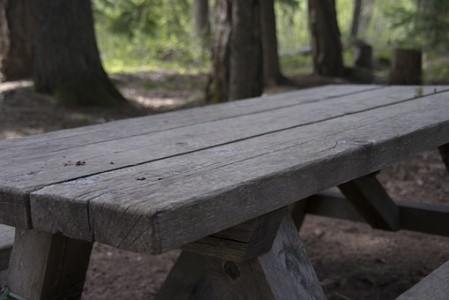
point(289, 39)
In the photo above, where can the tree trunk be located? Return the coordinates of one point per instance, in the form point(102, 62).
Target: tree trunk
point(356, 19)
point(201, 21)
point(246, 66)
point(407, 67)
point(325, 34)
point(272, 71)
point(218, 90)
point(16, 40)
point(67, 61)
point(237, 52)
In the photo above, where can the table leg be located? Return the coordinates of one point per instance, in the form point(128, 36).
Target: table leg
point(283, 272)
point(47, 266)
point(444, 152)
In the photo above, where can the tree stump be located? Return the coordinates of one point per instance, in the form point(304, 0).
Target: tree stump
point(363, 55)
point(406, 67)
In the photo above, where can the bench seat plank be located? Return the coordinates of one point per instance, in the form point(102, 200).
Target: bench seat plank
point(167, 203)
point(85, 135)
point(435, 286)
point(6, 243)
point(29, 168)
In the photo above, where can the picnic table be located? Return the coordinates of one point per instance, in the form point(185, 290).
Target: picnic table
point(222, 182)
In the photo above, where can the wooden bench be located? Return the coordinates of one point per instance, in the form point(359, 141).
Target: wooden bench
point(435, 286)
point(6, 242)
point(215, 181)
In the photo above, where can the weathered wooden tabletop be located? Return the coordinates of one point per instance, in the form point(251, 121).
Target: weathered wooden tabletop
point(159, 182)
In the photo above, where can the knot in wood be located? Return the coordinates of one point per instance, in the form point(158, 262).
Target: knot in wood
point(231, 269)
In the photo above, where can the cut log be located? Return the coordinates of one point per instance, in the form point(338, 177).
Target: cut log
point(407, 67)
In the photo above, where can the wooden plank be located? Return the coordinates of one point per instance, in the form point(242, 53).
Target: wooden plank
point(414, 216)
point(332, 205)
point(373, 203)
point(444, 152)
point(435, 286)
point(242, 242)
point(60, 158)
point(23, 172)
point(424, 217)
point(282, 273)
point(188, 197)
point(187, 280)
point(68, 138)
point(46, 266)
point(6, 242)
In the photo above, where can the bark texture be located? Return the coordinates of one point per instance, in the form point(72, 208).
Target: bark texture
point(16, 40)
point(219, 89)
point(355, 25)
point(325, 35)
point(246, 74)
point(272, 71)
point(67, 61)
point(201, 21)
point(237, 52)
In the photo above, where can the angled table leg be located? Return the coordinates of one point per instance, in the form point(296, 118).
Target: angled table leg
point(444, 152)
point(281, 271)
point(47, 266)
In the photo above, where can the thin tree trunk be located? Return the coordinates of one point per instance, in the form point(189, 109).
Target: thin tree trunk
point(201, 21)
point(272, 71)
point(356, 19)
point(67, 61)
point(325, 34)
point(218, 89)
point(237, 52)
point(16, 40)
point(246, 65)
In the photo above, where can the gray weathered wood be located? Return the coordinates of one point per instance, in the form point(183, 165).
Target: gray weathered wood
point(28, 166)
point(424, 217)
point(435, 286)
point(46, 266)
point(421, 217)
point(187, 197)
point(444, 152)
point(242, 242)
point(6, 242)
point(187, 280)
point(373, 203)
point(284, 272)
point(332, 205)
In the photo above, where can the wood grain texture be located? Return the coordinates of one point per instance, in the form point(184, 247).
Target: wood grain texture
point(30, 163)
point(242, 242)
point(187, 280)
point(435, 286)
point(46, 266)
point(282, 273)
point(371, 200)
point(187, 197)
point(6, 242)
point(429, 218)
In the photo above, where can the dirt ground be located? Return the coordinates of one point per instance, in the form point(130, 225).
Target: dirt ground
point(352, 260)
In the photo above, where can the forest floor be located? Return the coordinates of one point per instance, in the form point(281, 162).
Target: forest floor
point(352, 260)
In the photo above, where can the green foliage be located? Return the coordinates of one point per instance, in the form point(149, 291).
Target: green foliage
point(422, 23)
point(128, 17)
point(135, 35)
point(145, 35)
